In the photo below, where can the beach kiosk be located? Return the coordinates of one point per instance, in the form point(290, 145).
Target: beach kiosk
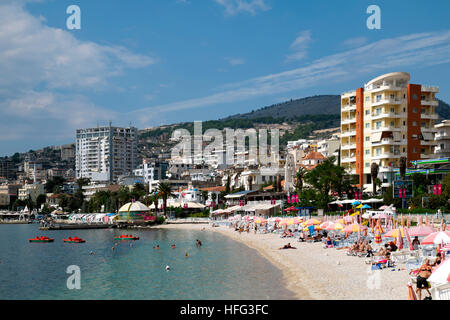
point(133, 212)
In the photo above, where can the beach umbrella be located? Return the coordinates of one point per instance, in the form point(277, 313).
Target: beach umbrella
point(347, 219)
point(384, 207)
point(298, 220)
point(400, 238)
point(355, 203)
point(437, 238)
point(359, 206)
point(354, 227)
point(341, 221)
point(260, 220)
point(420, 231)
point(334, 227)
point(441, 274)
point(411, 293)
point(366, 206)
point(378, 231)
point(325, 224)
point(290, 209)
point(394, 233)
point(311, 222)
point(380, 216)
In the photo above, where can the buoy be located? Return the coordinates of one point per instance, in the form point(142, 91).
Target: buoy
point(167, 268)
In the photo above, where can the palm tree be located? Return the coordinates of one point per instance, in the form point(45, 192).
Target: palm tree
point(164, 192)
point(402, 167)
point(300, 175)
point(374, 168)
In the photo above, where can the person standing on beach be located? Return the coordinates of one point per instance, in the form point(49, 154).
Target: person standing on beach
point(424, 274)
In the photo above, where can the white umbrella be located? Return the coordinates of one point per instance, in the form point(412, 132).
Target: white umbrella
point(441, 274)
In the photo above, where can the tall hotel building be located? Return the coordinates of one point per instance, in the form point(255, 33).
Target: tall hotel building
point(105, 153)
point(387, 119)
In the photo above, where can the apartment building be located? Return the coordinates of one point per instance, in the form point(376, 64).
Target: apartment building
point(105, 153)
point(386, 119)
point(442, 138)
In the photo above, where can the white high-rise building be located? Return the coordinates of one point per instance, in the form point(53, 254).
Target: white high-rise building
point(93, 149)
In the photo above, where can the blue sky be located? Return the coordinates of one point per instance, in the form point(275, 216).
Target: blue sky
point(157, 62)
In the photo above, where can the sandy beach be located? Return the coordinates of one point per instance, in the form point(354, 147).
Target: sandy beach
point(314, 273)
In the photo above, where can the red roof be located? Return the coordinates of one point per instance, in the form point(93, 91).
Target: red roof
point(314, 155)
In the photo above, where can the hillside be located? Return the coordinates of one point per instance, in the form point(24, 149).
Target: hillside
point(315, 105)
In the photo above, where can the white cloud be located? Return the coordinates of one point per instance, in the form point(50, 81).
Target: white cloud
point(355, 42)
point(396, 54)
point(233, 7)
point(40, 65)
point(300, 46)
point(235, 61)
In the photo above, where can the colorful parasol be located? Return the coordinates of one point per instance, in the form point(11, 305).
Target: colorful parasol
point(420, 231)
point(437, 238)
point(354, 227)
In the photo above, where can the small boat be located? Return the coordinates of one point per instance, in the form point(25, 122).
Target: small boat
point(126, 237)
point(74, 240)
point(41, 239)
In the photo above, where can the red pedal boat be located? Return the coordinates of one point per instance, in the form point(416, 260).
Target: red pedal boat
point(41, 239)
point(74, 240)
point(126, 237)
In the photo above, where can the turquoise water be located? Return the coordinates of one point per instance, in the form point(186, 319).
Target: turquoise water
point(220, 269)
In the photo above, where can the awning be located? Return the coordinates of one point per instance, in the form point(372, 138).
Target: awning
point(397, 136)
point(427, 136)
point(376, 136)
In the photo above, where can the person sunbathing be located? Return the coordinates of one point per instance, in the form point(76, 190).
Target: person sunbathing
point(287, 246)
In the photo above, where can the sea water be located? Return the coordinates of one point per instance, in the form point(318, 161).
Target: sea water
point(219, 269)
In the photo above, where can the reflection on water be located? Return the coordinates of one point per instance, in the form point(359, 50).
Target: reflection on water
point(220, 269)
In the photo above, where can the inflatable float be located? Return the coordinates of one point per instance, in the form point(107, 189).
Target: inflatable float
point(126, 237)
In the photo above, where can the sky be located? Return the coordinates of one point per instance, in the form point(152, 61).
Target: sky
point(157, 62)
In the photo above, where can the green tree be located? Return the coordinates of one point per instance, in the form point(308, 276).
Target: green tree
point(164, 192)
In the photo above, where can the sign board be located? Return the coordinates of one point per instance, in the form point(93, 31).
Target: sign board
point(403, 189)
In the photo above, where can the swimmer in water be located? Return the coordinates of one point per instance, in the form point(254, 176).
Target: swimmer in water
point(173, 246)
point(91, 253)
point(187, 255)
point(167, 268)
point(199, 243)
point(157, 247)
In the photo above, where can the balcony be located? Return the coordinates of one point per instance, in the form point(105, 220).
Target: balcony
point(348, 107)
point(427, 143)
point(442, 136)
point(348, 120)
point(348, 146)
point(430, 89)
point(386, 86)
point(433, 103)
point(425, 129)
point(348, 160)
point(432, 116)
point(386, 101)
point(387, 155)
point(376, 116)
point(389, 141)
point(386, 129)
point(348, 133)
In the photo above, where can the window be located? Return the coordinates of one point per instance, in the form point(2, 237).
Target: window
point(392, 110)
point(415, 110)
point(378, 98)
point(367, 164)
point(404, 109)
point(414, 136)
point(367, 151)
point(367, 112)
point(415, 150)
point(404, 123)
point(367, 98)
point(414, 96)
point(414, 123)
point(367, 125)
point(392, 123)
point(378, 111)
point(367, 138)
point(378, 124)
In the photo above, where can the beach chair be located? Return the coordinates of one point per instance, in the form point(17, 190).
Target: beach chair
point(400, 256)
point(428, 251)
point(441, 292)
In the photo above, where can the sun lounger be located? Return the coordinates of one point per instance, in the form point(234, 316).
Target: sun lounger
point(441, 292)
